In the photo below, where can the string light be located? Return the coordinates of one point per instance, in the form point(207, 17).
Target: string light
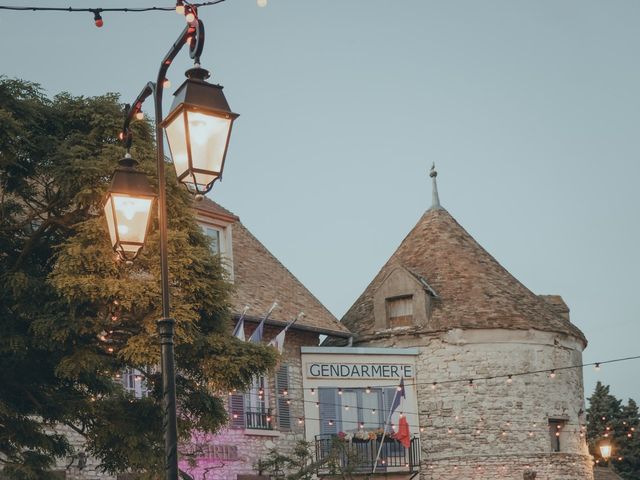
point(97, 12)
point(285, 392)
point(190, 14)
point(166, 83)
point(510, 379)
point(313, 391)
point(492, 377)
point(552, 374)
point(368, 389)
point(339, 391)
point(97, 19)
point(433, 385)
point(262, 3)
point(596, 367)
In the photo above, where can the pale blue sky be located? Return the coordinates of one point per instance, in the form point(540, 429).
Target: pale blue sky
point(530, 109)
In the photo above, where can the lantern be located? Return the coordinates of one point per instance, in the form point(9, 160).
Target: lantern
point(605, 451)
point(128, 209)
point(198, 128)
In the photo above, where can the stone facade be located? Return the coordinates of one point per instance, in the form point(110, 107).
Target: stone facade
point(252, 444)
point(471, 319)
point(498, 429)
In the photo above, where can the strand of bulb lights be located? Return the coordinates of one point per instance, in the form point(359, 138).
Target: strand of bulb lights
point(508, 378)
point(189, 10)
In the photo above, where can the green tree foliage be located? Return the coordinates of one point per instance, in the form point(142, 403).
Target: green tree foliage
point(73, 316)
point(610, 421)
point(629, 442)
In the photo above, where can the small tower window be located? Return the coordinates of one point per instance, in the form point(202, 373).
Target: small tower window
point(400, 311)
point(556, 426)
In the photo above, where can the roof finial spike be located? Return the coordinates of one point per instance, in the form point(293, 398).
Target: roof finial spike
point(435, 199)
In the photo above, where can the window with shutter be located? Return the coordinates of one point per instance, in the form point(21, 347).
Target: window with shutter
point(400, 311)
point(328, 411)
point(236, 411)
point(283, 404)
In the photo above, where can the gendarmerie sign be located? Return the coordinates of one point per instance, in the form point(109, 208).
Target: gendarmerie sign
point(359, 370)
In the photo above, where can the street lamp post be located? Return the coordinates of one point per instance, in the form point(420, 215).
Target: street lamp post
point(198, 129)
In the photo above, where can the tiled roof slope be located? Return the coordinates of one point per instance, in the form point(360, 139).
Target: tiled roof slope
point(474, 290)
point(260, 279)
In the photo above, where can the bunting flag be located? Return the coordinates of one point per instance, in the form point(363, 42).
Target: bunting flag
point(397, 397)
point(256, 336)
point(238, 332)
point(278, 340)
point(403, 435)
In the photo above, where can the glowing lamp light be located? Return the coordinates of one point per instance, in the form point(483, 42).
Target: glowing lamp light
point(198, 128)
point(605, 451)
point(127, 209)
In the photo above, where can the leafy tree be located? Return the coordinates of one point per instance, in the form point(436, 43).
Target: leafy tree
point(73, 317)
point(628, 440)
point(621, 424)
point(603, 418)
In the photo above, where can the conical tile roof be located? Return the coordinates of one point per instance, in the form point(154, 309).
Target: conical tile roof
point(473, 290)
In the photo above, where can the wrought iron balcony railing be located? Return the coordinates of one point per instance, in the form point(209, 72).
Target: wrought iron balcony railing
point(259, 419)
point(339, 456)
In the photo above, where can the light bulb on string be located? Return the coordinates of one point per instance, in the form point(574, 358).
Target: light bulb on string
point(596, 367)
point(433, 385)
point(166, 83)
point(97, 19)
point(552, 374)
point(339, 391)
point(317, 404)
point(313, 391)
point(510, 379)
point(367, 390)
point(190, 15)
point(180, 7)
point(261, 3)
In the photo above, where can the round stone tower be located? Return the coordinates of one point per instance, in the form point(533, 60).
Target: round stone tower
point(442, 293)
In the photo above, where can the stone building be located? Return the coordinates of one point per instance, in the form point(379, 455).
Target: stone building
point(443, 295)
point(269, 415)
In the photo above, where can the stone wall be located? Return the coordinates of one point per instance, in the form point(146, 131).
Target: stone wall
point(253, 445)
point(471, 432)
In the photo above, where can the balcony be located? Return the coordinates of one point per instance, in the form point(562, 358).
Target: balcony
point(258, 419)
point(339, 457)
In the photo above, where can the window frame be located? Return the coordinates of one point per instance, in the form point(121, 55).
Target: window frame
point(410, 319)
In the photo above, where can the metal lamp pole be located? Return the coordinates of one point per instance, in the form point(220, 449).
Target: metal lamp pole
point(193, 34)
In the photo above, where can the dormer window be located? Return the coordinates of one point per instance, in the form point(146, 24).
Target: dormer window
point(403, 299)
point(213, 234)
point(400, 311)
point(220, 243)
